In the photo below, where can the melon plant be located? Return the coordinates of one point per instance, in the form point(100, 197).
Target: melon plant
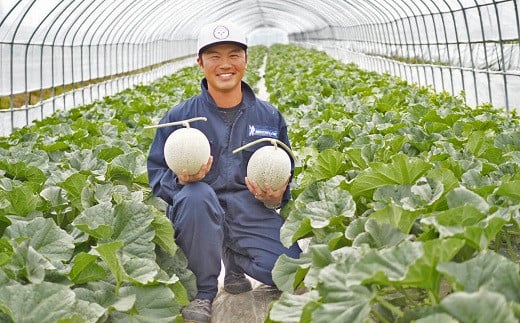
point(269, 164)
point(404, 196)
point(186, 148)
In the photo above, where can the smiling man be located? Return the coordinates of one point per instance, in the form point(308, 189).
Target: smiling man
point(218, 213)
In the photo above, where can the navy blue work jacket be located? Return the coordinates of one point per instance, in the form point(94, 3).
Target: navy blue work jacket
point(256, 119)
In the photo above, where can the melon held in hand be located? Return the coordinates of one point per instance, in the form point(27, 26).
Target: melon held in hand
point(269, 164)
point(186, 149)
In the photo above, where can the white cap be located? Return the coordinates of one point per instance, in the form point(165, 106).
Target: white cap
point(220, 32)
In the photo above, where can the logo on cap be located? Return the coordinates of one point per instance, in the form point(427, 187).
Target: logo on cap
point(220, 32)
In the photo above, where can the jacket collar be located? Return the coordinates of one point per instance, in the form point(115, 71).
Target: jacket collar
point(248, 96)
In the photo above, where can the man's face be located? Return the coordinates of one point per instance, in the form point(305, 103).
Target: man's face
point(224, 66)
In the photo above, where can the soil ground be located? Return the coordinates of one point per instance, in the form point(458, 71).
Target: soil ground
point(249, 307)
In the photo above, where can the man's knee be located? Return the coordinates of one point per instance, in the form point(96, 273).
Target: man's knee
point(198, 191)
point(196, 202)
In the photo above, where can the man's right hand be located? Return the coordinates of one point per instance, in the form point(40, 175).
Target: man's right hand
point(185, 178)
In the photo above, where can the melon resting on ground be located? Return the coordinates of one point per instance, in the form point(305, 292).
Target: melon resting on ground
point(186, 148)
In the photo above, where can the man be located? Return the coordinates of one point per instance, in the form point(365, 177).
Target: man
point(217, 213)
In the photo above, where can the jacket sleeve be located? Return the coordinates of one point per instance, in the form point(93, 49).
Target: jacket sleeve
point(162, 180)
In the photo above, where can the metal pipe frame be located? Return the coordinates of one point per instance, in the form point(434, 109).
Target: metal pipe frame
point(125, 36)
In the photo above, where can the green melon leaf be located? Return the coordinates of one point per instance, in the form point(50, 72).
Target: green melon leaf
point(96, 221)
point(85, 269)
point(164, 233)
point(479, 307)
point(481, 273)
point(295, 308)
point(43, 302)
point(402, 170)
point(44, 236)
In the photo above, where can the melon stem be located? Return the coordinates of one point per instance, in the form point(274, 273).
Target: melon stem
point(274, 142)
point(185, 123)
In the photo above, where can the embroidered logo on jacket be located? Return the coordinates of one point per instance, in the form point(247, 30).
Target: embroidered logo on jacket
point(262, 131)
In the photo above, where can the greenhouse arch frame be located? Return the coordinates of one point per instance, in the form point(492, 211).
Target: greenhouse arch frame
point(59, 54)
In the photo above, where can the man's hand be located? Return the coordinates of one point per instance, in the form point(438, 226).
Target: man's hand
point(269, 197)
point(185, 178)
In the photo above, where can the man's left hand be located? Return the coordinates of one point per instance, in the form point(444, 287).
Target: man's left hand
point(268, 196)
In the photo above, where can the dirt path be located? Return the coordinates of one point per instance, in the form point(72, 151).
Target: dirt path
point(250, 307)
point(253, 306)
point(262, 90)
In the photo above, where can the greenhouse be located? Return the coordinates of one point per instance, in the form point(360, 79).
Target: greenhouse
point(398, 120)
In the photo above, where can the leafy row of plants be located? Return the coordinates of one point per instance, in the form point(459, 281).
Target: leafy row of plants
point(409, 199)
point(82, 239)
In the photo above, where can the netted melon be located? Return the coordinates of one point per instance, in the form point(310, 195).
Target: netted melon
point(186, 148)
point(269, 164)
